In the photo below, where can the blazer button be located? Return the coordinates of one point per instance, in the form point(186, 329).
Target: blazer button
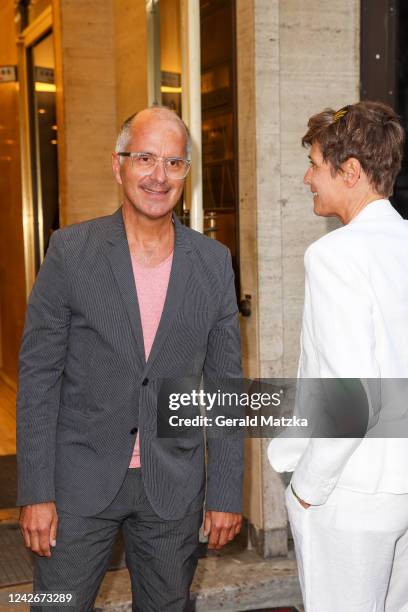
point(145, 381)
point(133, 431)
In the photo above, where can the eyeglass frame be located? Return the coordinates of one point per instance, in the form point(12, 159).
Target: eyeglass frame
point(138, 154)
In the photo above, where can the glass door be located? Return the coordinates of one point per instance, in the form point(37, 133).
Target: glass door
point(219, 124)
point(38, 136)
point(43, 132)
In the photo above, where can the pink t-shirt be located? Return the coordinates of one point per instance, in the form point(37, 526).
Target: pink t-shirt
point(151, 287)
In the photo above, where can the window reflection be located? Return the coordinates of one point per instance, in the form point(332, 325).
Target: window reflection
point(44, 144)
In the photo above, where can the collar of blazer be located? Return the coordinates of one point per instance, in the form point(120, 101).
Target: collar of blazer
point(119, 259)
point(378, 209)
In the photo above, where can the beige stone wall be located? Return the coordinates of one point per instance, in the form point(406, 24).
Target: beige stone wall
point(86, 107)
point(130, 31)
point(305, 56)
point(170, 36)
point(319, 67)
point(294, 59)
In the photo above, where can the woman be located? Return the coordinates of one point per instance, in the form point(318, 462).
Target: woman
point(348, 498)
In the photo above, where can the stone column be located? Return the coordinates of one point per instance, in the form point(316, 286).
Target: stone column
point(293, 60)
point(86, 107)
point(130, 31)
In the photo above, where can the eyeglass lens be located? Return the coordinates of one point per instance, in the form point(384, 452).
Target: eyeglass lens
point(174, 167)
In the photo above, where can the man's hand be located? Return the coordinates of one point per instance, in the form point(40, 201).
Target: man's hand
point(38, 524)
point(221, 527)
point(304, 504)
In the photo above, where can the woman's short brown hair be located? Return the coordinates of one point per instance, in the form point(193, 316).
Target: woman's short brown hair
point(369, 131)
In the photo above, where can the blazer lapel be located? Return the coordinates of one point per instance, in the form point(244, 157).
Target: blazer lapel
point(118, 255)
point(179, 277)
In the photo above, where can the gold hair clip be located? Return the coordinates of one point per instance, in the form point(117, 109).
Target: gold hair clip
point(340, 113)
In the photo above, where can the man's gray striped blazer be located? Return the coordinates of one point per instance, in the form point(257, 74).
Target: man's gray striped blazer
point(85, 386)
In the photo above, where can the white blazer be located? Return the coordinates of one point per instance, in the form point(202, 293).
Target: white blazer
point(355, 325)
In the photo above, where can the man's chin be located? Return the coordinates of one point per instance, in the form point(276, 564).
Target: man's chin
point(151, 210)
point(154, 211)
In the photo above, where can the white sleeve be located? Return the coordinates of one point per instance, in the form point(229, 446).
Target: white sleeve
point(338, 341)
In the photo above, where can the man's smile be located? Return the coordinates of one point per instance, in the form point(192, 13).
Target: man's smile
point(157, 192)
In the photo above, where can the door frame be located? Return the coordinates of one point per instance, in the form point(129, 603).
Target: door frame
point(30, 177)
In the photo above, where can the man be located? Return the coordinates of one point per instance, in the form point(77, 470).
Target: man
point(348, 499)
point(120, 303)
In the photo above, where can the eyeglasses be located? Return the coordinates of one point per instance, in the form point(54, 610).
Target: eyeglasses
point(145, 163)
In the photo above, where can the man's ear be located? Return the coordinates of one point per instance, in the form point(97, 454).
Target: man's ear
point(116, 168)
point(351, 171)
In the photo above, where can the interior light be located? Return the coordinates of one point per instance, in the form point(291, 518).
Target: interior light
point(167, 89)
point(50, 87)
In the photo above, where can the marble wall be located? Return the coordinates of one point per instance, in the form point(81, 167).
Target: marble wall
point(319, 68)
point(294, 59)
point(86, 108)
point(130, 57)
point(306, 58)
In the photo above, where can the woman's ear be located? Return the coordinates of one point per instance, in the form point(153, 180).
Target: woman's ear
point(351, 171)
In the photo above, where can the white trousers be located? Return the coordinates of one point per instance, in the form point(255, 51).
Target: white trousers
point(352, 552)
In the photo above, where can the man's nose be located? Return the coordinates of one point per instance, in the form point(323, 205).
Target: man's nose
point(159, 173)
point(308, 176)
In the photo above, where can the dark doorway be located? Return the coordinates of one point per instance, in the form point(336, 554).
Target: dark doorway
point(400, 199)
point(384, 70)
point(219, 121)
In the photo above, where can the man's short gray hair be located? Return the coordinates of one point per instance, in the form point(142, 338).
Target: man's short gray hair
point(125, 131)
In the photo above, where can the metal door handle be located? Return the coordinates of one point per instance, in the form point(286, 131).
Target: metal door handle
point(245, 307)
